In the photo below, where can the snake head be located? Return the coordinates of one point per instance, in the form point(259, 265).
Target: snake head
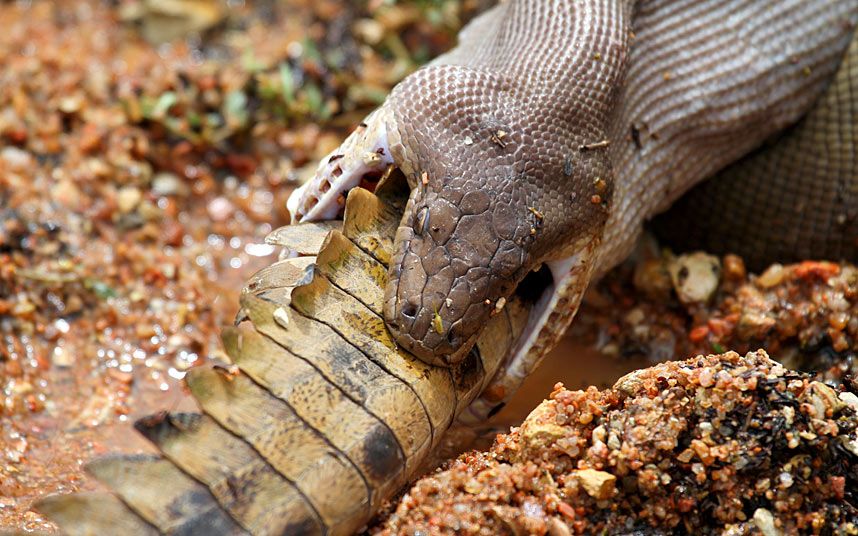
point(499, 186)
point(508, 168)
point(464, 242)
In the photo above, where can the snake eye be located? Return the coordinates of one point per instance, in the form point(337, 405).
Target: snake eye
point(422, 221)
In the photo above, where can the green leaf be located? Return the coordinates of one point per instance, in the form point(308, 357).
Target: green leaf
point(250, 63)
point(99, 288)
point(316, 102)
point(194, 119)
point(311, 51)
point(364, 93)
point(235, 108)
point(163, 105)
point(287, 83)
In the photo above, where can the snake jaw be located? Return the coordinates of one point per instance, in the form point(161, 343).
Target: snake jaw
point(553, 310)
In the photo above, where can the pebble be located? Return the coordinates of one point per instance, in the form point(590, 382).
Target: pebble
point(598, 484)
point(849, 399)
point(128, 198)
point(220, 209)
point(765, 521)
point(754, 324)
point(695, 277)
point(707, 377)
point(652, 279)
point(772, 276)
point(61, 358)
point(168, 184)
point(823, 400)
point(369, 30)
point(734, 268)
point(67, 194)
point(22, 388)
point(537, 432)
point(122, 377)
point(16, 159)
point(557, 527)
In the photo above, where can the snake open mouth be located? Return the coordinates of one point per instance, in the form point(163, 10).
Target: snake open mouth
point(550, 295)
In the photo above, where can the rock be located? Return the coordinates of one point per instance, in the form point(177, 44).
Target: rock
point(538, 430)
point(850, 400)
point(369, 31)
point(128, 198)
point(823, 399)
point(754, 324)
point(166, 20)
point(61, 358)
point(22, 388)
point(149, 211)
point(772, 276)
point(220, 209)
point(557, 527)
point(16, 159)
point(168, 184)
point(734, 268)
point(695, 277)
point(765, 521)
point(67, 194)
point(652, 278)
point(598, 484)
point(71, 104)
point(23, 308)
point(631, 383)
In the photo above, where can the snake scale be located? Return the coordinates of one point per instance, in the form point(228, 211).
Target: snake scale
point(511, 172)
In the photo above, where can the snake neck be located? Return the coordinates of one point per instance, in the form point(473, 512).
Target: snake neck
point(508, 169)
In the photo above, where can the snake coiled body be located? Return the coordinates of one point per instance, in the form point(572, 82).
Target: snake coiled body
point(546, 138)
point(806, 206)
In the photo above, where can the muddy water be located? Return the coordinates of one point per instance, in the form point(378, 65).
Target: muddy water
point(44, 453)
point(577, 365)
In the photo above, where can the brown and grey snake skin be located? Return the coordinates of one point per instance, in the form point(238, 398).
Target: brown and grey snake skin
point(557, 128)
point(807, 206)
point(549, 136)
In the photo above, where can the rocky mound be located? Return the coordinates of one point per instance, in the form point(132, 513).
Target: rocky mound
point(719, 444)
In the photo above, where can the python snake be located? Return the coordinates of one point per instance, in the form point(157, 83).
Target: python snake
point(534, 152)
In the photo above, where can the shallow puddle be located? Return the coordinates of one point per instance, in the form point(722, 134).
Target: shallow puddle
point(576, 365)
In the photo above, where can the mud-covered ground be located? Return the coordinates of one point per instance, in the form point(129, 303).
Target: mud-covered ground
point(147, 147)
